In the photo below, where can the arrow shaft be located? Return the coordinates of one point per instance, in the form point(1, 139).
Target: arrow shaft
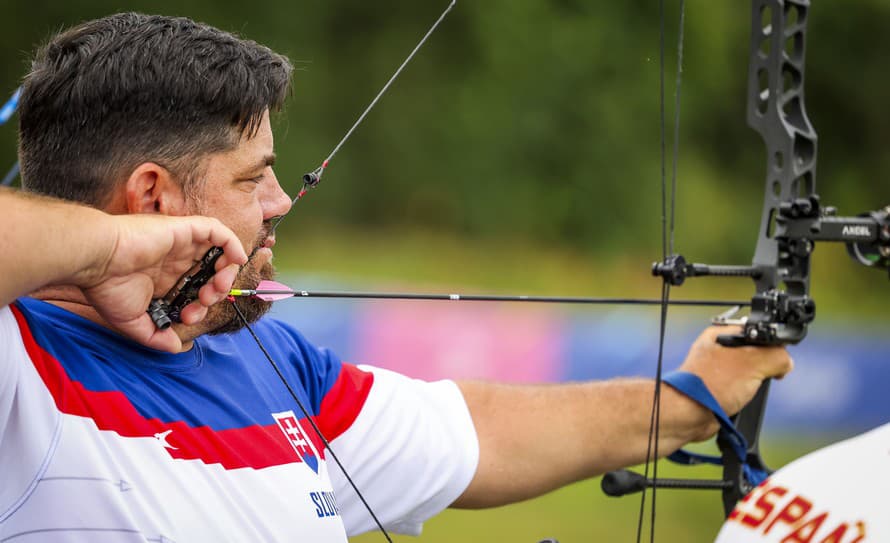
point(485, 298)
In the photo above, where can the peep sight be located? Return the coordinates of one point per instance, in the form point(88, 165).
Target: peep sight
point(312, 178)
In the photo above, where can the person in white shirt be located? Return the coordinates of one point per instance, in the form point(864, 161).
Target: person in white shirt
point(833, 495)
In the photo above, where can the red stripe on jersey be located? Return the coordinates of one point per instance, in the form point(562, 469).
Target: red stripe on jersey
point(344, 401)
point(251, 446)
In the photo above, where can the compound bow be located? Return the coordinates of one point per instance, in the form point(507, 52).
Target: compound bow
point(793, 219)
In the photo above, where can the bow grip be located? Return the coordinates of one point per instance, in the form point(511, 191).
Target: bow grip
point(763, 334)
point(732, 340)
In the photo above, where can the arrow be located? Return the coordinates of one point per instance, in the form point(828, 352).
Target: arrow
point(273, 291)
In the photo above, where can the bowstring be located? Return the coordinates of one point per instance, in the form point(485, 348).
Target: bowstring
point(677, 87)
point(394, 76)
point(667, 245)
point(319, 171)
point(312, 422)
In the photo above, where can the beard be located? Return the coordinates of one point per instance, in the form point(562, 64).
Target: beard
point(251, 308)
point(222, 318)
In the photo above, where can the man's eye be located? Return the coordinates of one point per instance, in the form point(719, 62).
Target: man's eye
point(257, 179)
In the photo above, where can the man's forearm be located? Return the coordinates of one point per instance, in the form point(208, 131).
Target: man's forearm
point(47, 241)
point(534, 439)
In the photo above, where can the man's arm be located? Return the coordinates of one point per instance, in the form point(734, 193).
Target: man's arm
point(533, 439)
point(120, 262)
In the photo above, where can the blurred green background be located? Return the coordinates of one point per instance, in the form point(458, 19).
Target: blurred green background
point(520, 151)
point(526, 134)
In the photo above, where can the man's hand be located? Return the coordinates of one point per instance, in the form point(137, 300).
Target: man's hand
point(150, 254)
point(586, 429)
point(120, 262)
point(733, 374)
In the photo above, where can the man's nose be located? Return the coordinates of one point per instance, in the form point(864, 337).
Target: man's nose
point(276, 202)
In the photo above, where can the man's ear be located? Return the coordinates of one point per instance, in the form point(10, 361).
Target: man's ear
point(151, 188)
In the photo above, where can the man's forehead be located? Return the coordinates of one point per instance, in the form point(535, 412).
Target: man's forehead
point(264, 161)
point(254, 151)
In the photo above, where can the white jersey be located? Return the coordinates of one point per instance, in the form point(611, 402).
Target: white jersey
point(834, 495)
point(104, 440)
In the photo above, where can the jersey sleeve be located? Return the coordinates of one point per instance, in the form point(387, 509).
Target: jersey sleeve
point(8, 337)
point(29, 421)
point(411, 449)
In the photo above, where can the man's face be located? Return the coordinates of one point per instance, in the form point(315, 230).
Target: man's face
point(241, 190)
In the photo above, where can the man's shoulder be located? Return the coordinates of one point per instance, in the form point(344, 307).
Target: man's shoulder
point(863, 453)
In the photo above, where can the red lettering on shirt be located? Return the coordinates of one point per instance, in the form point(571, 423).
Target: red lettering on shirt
point(805, 532)
point(860, 527)
point(791, 513)
point(836, 535)
point(763, 506)
point(802, 522)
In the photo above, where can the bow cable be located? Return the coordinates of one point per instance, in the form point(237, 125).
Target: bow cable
point(310, 180)
point(312, 422)
point(667, 242)
point(313, 178)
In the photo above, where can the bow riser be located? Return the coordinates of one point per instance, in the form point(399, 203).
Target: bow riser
point(777, 111)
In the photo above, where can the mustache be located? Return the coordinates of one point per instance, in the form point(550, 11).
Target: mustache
point(261, 239)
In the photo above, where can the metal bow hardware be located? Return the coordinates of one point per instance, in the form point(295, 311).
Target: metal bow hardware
point(793, 220)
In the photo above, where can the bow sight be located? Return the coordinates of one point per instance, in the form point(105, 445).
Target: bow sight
point(874, 251)
point(777, 316)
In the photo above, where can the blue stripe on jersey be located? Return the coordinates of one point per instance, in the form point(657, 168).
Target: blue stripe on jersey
point(223, 382)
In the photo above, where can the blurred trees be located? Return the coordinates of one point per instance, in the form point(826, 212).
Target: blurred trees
point(537, 120)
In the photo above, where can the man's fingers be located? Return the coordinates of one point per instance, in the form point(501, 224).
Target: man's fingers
point(789, 367)
point(219, 285)
point(773, 362)
point(164, 340)
point(143, 330)
point(778, 360)
point(782, 362)
point(193, 313)
point(233, 251)
point(733, 374)
point(150, 256)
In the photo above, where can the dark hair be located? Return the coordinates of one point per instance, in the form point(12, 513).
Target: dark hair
point(110, 94)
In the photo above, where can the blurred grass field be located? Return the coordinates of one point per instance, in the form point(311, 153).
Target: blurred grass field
point(581, 512)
